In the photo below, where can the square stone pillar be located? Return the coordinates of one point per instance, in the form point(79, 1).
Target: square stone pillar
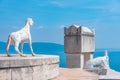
point(75, 60)
point(78, 45)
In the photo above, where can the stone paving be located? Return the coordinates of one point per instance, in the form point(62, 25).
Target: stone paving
point(75, 74)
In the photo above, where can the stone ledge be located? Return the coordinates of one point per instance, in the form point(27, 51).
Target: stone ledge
point(41, 67)
point(111, 75)
point(8, 62)
point(98, 71)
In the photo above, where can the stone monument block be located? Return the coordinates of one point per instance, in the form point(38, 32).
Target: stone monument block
point(79, 39)
point(79, 45)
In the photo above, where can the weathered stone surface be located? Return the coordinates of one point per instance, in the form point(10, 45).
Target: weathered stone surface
point(16, 74)
point(27, 73)
point(42, 67)
point(27, 61)
point(38, 75)
point(4, 63)
point(77, 60)
point(98, 71)
point(5, 74)
point(74, 60)
point(79, 39)
point(79, 45)
point(111, 75)
point(75, 74)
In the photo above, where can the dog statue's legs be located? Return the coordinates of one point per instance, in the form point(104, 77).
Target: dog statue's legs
point(21, 47)
point(30, 44)
point(17, 50)
point(7, 46)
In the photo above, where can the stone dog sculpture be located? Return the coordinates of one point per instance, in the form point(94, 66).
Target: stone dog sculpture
point(101, 62)
point(20, 37)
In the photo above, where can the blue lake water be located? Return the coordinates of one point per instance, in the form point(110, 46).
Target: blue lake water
point(57, 49)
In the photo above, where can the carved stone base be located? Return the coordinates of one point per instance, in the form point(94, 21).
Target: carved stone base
point(42, 67)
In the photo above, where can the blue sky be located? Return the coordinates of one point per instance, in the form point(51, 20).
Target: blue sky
point(50, 16)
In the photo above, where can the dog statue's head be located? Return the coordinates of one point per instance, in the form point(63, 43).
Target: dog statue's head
point(106, 53)
point(30, 21)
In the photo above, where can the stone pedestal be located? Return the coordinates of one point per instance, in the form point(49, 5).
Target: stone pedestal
point(42, 67)
point(74, 60)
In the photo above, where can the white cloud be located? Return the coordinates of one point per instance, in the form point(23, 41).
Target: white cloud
point(59, 4)
point(40, 27)
point(110, 6)
point(62, 26)
point(114, 7)
point(51, 2)
point(15, 27)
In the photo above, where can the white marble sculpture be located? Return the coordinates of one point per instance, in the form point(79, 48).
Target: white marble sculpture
point(20, 37)
point(101, 62)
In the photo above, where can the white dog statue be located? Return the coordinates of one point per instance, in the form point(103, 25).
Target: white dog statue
point(20, 37)
point(102, 62)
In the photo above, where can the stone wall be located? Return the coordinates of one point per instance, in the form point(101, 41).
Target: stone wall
point(29, 68)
